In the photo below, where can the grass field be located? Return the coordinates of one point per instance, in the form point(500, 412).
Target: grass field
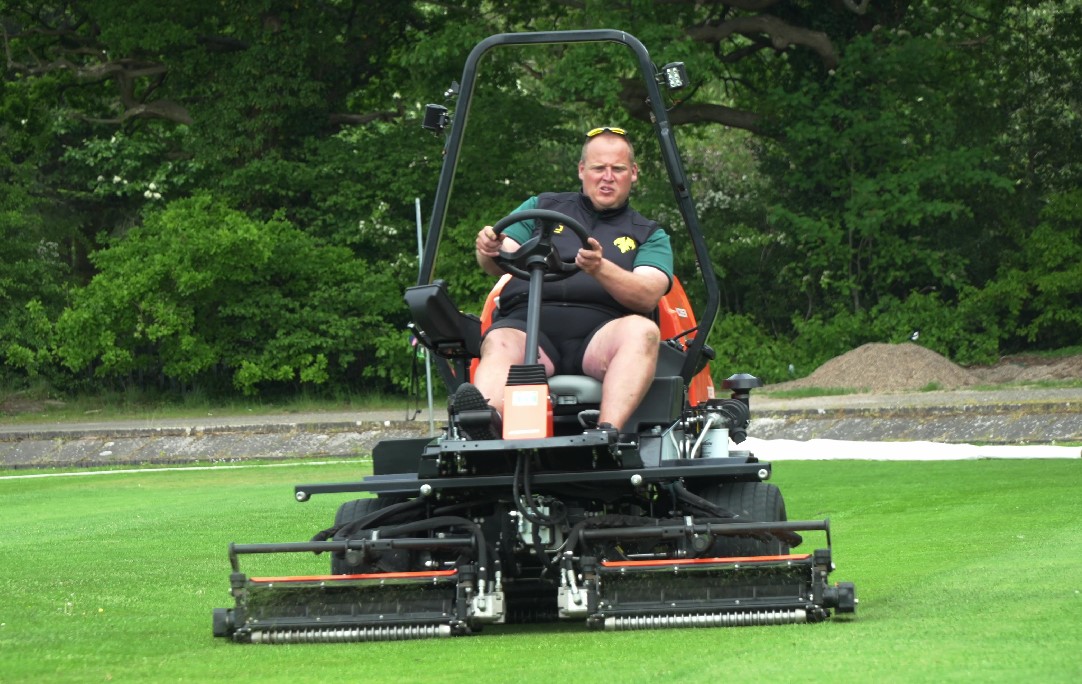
point(966, 572)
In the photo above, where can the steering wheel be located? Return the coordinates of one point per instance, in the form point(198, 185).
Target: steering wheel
point(539, 249)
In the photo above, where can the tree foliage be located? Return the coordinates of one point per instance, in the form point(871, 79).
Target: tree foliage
point(204, 294)
point(221, 194)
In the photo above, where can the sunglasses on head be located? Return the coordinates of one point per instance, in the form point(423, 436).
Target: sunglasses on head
point(605, 129)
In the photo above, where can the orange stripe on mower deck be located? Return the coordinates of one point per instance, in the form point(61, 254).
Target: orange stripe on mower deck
point(702, 561)
point(371, 576)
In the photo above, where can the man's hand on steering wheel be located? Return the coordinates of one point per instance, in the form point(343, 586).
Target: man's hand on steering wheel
point(589, 258)
point(489, 243)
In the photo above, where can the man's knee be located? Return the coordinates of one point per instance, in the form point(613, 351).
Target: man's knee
point(632, 337)
point(504, 342)
point(640, 330)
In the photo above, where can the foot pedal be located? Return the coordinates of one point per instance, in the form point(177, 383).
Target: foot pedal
point(606, 430)
point(471, 411)
point(588, 418)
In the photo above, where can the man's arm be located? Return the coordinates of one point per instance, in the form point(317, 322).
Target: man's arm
point(639, 289)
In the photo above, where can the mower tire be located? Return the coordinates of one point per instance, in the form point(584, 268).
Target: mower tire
point(348, 512)
point(752, 502)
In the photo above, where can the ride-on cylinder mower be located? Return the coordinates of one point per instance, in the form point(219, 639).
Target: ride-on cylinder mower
point(661, 525)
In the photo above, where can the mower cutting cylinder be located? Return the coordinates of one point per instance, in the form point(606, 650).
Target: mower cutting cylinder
point(354, 634)
point(364, 607)
point(743, 619)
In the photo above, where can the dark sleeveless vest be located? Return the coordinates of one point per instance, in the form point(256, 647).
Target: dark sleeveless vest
point(620, 231)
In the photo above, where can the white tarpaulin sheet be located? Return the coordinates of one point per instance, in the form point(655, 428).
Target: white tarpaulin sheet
point(835, 449)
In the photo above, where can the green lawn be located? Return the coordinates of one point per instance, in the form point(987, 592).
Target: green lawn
point(966, 571)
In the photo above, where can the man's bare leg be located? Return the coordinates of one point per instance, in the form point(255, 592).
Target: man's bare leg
point(502, 348)
point(623, 355)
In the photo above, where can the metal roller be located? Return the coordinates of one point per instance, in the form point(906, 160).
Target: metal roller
point(349, 634)
point(742, 619)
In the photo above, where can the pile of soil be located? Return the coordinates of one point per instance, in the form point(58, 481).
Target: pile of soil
point(878, 367)
point(1026, 368)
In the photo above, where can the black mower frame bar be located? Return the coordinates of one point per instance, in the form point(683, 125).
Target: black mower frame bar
point(662, 129)
point(399, 483)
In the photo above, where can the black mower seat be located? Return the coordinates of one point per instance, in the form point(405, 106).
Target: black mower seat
point(572, 394)
point(574, 390)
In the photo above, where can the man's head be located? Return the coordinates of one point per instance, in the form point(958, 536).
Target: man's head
point(607, 168)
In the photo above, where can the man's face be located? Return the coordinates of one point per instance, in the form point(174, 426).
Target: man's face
point(606, 171)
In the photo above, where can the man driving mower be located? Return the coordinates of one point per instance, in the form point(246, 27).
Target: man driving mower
point(597, 322)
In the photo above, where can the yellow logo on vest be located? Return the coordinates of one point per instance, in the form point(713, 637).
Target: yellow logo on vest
point(559, 229)
point(625, 244)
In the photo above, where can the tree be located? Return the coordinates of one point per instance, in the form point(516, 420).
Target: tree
point(32, 270)
point(201, 293)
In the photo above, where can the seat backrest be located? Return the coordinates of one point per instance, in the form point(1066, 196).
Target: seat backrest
point(678, 326)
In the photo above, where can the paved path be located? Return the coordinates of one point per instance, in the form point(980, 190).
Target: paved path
point(1045, 416)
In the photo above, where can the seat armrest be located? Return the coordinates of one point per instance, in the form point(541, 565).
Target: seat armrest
point(439, 325)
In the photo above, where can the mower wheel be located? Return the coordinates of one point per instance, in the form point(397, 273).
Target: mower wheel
point(348, 512)
point(223, 622)
point(358, 508)
point(752, 502)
